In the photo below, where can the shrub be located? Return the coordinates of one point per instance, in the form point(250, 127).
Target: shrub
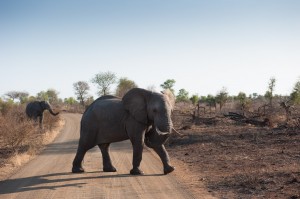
point(6, 106)
point(18, 134)
point(15, 130)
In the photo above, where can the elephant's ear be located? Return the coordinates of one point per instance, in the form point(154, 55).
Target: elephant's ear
point(45, 104)
point(42, 104)
point(135, 101)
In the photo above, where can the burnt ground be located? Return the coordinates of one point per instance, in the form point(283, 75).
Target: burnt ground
point(238, 160)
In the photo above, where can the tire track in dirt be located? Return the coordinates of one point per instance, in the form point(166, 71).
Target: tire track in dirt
point(49, 176)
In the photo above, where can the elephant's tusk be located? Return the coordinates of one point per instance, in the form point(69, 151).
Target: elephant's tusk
point(181, 135)
point(161, 133)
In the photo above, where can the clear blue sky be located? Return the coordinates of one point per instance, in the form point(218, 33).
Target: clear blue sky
point(203, 45)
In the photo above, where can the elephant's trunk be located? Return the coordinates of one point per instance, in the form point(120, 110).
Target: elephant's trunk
point(52, 113)
point(163, 125)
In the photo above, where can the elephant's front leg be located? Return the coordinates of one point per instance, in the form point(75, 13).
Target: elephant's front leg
point(137, 158)
point(136, 134)
point(41, 121)
point(163, 154)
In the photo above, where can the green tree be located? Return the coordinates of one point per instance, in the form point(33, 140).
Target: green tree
point(81, 91)
point(222, 97)
point(183, 95)
point(52, 95)
point(242, 97)
point(31, 99)
point(6, 106)
point(42, 96)
point(202, 99)
point(243, 100)
point(194, 99)
point(23, 97)
point(169, 84)
point(211, 101)
point(70, 101)
point(124, 86)
point(270, 92)
point(295, 95)
point(104, 81)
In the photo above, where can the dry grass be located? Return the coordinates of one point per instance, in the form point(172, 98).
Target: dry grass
point(50, 135)
point(21, 139)
point(16, 131)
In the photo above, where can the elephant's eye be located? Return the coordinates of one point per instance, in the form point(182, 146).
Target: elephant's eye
point(154, 111)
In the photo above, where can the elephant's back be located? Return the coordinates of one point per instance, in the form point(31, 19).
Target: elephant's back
point(104, 111)
point(30, 108)
point(102, 103)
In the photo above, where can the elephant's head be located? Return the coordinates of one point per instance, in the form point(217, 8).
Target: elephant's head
point(150, 108)
point(45, 105)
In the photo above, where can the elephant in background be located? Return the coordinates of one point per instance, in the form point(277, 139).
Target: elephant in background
point(35, 110)
point(142, 116)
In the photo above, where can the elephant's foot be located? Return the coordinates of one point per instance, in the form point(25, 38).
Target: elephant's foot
point(77, 170)
point(136, 171)
point(109, 169)
point(168, 169)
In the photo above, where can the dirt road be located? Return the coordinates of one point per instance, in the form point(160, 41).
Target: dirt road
point(49, 176)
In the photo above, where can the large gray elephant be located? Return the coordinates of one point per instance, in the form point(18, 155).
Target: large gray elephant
point(35, 110)
point(142, 116)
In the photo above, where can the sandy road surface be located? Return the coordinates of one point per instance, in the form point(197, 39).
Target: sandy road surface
point(49, 176)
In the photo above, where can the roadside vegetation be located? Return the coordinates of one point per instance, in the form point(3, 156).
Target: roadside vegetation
point(243, 146)
point(21, 138)
point(249, 147)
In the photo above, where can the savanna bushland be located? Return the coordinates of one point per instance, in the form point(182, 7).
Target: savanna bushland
point(243, 146)
point(21, 137)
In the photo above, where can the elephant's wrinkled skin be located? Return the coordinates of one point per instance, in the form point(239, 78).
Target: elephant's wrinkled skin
point(111, 119)
point(35, 110)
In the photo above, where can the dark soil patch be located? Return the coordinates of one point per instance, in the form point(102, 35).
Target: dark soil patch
point(240, 161)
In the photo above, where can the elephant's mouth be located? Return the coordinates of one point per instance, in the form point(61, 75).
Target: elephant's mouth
point(155, 138)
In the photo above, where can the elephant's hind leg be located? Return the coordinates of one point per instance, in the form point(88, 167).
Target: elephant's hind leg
point(77, 162)
point(107, 165)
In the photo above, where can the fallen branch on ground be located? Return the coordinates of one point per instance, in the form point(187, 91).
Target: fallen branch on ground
point(243, 119)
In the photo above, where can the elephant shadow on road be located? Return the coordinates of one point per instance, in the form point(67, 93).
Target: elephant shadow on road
point(70, 147)
point(55, 181)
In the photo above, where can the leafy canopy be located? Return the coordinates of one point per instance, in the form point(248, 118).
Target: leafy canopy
point(168, 84)
point(104, 81)
point(183, 95)
point(124, 86)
